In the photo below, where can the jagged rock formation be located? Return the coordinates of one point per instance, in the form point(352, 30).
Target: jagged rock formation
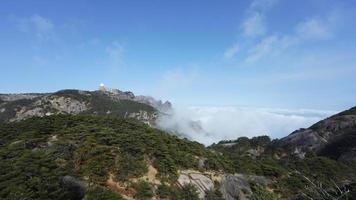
point(16, 107)
point(120, 95)
point(327, 137)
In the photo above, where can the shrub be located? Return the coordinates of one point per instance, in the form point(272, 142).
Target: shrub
point(101, 193)
point(144, 190)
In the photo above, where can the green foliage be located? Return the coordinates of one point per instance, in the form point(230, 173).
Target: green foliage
point(36, 153)
point(88, 147)
point(188, 192)
point(288, 182)
point(29, 174)
point(133, 166)
point(101, 193)
point(144, 190)
point(260, 193)
point(102, 103)
point(164, 191)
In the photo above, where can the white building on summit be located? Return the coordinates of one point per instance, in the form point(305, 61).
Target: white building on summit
point(102, 87)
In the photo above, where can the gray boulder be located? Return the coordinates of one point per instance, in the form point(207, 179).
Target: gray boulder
point(238, 186)
point(76, 188)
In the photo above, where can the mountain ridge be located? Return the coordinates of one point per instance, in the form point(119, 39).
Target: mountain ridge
point(325, 134)
point(15, 107)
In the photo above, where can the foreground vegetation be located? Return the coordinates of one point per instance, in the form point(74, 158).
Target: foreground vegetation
point(39, 156)
point(36, 153)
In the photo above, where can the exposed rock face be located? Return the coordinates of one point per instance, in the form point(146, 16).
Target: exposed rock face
point(76, 188)
point(321, 134)
point(67, 105)
point(200, 181)
point(144, 116)
point(237, 186)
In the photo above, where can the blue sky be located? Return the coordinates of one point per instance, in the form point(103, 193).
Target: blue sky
point(258, 53)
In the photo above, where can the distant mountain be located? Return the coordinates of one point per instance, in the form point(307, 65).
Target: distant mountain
point(334, 137)
point(112, 102)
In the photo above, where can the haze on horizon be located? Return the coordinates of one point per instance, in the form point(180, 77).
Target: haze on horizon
point(280, 64)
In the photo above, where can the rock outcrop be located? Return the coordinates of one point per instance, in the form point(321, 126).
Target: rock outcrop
point(327, 133)
point(76, 188)
point(238, 186)
point(199, 180)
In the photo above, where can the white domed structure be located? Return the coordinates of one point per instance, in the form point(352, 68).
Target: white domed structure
point(102, 87)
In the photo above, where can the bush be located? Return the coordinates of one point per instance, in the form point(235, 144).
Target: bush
point(164, 191)
point(144, 190)
point(101, 193)
point(260, 193)
point(188, 192)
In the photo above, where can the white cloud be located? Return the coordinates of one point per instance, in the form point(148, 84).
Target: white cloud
point(264, 44)
point(314, 29)
point(270, 45)
point(254, 25)
point(42, 27)
point(262, 48)
point(220, 123)
point(232, 51)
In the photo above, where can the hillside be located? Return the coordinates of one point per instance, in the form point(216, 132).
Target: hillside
point(104, 102)
point(39, 153)
point(334, 137)
point(103, 157)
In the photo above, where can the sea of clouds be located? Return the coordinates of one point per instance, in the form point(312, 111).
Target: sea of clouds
point(212, 124)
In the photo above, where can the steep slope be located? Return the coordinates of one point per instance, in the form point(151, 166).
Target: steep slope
point(334, 137)
point(16, 107)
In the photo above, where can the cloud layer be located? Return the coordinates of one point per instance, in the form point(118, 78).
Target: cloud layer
point(212, 124)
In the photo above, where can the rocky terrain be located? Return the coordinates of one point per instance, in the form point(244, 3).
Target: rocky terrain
point(334, 137)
